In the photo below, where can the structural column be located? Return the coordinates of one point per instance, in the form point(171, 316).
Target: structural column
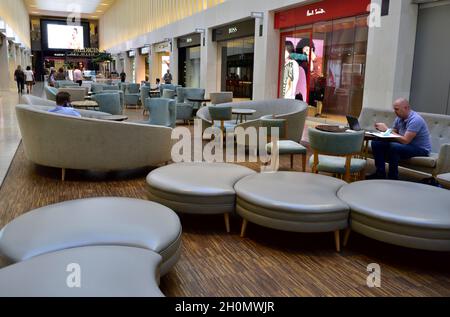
point(209, 76)
point(390, 54)
point(5, 81)
point(266, 66)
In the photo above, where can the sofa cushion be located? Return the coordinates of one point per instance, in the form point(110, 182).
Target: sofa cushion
point(429, 161)
point(106, 271)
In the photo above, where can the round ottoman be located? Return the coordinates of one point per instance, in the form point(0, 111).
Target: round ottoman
point(197, 188)
point(93, 222)
point(401, 213)
point(289, 201)
point(106, 271)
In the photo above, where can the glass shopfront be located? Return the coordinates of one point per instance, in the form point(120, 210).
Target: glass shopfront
point(189, 60)
point(323, 63)
point(236, 46)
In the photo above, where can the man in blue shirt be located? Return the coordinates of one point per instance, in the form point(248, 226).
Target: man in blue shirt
point(415, 140)
point(63, 105)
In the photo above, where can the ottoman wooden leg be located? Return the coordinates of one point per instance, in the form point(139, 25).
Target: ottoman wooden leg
point(244, 228)
point(304, 162)
point(347, 236)
point(337, 239)
point(292, 161)
point(227, 222)
point(63, 174)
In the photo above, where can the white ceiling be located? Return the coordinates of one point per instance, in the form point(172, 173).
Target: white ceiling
point(88, 8)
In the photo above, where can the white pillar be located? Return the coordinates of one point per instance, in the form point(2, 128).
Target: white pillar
point(174, 56)
point(5, 81)
point(266, 57)
point(209, 65)
point(140, 66)
point(390, 56)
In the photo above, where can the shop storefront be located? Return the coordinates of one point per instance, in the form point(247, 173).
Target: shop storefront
point(323, 55)
point(161, 60)
point(145, 53)
point(132, 57)
point(236, 45)
point(189, 60)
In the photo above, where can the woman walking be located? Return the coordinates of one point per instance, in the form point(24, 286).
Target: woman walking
point(19, 77)
point(29, 79)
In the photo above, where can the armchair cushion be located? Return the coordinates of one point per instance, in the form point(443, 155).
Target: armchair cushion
point(336, 165)
point(287, 147)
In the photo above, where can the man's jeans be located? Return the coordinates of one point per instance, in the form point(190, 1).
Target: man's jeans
point(394, 152)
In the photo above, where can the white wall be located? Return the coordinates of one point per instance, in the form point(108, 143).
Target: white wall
point(390, 56)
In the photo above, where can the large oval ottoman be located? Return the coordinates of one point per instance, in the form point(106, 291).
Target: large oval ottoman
point(296, 202)
point(401, 213)
point(99, 271)
point(95, 221)
point(197, 188)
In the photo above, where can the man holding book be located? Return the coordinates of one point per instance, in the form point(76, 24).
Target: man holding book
point(413, 140)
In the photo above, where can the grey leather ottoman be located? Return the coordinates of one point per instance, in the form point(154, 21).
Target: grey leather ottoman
point(444, 180)
point(289, 201)
point(96, 221)
point(401, 213)
point(105, 271)
point(197, 188)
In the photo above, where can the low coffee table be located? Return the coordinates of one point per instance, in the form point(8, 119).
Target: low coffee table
point(242, 114)
point(86, 104)
point(115, 118)
point(401, 213)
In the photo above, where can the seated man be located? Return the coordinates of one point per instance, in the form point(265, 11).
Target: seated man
point(63, 105)
point(415, 141)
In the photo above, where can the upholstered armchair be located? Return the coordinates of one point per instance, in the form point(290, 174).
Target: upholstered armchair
point(145, 93)
point(218, 98)
point(285, 147)
point(132, 95)
point(50, 93)
point(221, 115)
point(76, 94)
point(168, 94)
point(111, 88)
point(335, 153)
point(163, 112)
point(109, 102)
point(64, 83)
point(162, 87)
point(185, 108)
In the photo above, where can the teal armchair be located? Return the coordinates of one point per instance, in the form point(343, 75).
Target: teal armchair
point(162, 112)
point(51, 92)
point(336, 153)
point(109, 102)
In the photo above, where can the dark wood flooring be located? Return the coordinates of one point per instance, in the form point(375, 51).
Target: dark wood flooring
point(267, 263)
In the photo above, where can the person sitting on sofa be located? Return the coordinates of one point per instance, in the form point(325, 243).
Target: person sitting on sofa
point(415, 140)
point(63, 105)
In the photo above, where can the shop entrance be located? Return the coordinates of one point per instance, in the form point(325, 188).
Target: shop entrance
point(324, 63)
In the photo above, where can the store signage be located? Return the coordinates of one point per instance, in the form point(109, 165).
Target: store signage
point(234, 31)
point(131, 54)
point(145, 50)
point(87, 52)
point(321, 11)
point(162, 47)
point(189, 40)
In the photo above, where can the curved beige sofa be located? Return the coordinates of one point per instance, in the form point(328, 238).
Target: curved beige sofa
point(90, 144)
point(294, 111)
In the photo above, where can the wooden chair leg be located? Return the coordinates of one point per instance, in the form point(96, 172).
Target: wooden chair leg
point(337, 240)
point(292, 161)
point(244, 228)
point(304, 163)
point(63, 174)
point(347, 236)
point(227, 222)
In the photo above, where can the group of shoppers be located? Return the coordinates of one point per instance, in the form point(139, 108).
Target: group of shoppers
point(24, 77)
point(61, 75)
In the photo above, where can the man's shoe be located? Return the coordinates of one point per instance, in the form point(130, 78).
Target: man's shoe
point(376, 176)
